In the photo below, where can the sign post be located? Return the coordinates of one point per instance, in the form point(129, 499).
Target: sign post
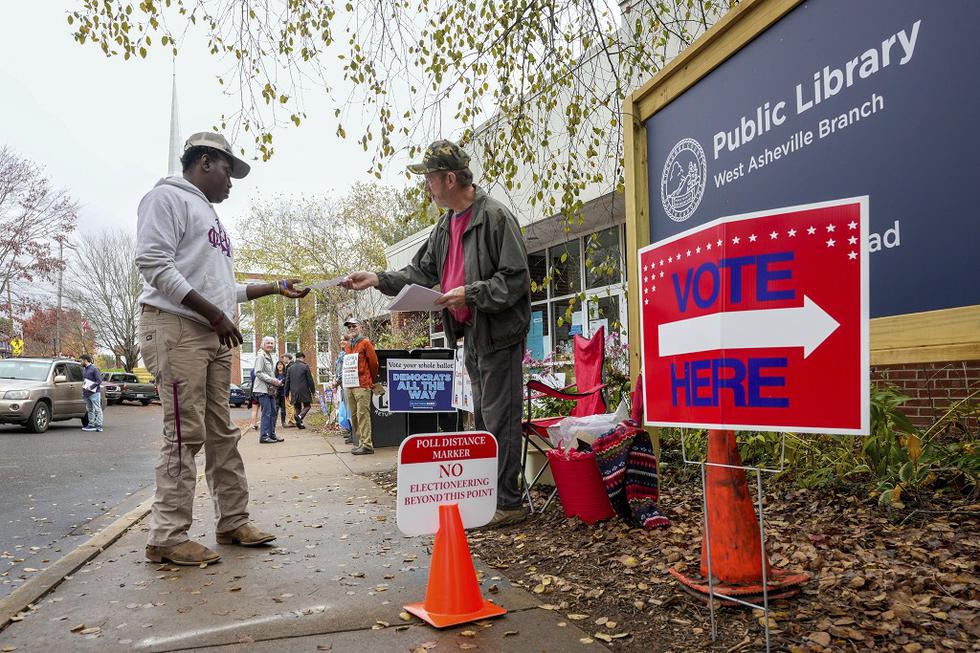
point(447, 482)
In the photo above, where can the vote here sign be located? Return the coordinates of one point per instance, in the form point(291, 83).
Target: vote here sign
point(440, 468)
point(760, 322)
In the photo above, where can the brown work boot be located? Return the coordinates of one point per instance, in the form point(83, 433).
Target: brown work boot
point(245, 535)
point(185, 553)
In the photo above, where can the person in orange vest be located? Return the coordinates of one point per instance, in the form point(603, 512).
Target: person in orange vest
point(359, 352)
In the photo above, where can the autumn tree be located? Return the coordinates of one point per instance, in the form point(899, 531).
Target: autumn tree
point(535, 88)
point(34, 217)
point(104, 286)
point(321, 237)
point(39, 334)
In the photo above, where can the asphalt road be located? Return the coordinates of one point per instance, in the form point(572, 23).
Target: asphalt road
point(61, 486)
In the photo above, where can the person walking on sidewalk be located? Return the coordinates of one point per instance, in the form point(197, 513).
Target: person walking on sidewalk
point(267, 389)
point(300, 388)
point(342, 393)
point(359, 391)
point(92, 391)
point(281, 392)
point(478, 257)
point(187, 331)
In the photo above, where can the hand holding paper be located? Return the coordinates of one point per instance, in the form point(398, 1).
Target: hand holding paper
point(416, 298)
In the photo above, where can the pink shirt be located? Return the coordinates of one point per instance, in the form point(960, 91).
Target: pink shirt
point(453, 275)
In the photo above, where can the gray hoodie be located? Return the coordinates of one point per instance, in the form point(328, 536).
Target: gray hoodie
point(182, 246)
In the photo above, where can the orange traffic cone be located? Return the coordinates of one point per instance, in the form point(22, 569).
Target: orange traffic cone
point(453, 594)
point(736, 545)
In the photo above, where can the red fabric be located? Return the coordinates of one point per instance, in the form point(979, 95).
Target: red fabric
point(590, 356)
point(636, 401)
point(453, 275)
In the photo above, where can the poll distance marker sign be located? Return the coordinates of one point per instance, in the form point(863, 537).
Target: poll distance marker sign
point(760, 322)
point(439, 468)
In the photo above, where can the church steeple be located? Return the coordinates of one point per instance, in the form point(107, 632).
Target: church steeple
point(176, 141)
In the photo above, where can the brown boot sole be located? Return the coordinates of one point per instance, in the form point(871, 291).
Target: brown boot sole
point(156, 557)
point(224, 539)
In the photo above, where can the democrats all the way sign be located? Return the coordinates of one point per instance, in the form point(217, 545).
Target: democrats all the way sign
point(420, 385)
point(760, 322)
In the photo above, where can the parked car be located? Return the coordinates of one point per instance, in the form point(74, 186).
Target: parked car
point(37, 391)
point(130, 388)
point(246, 387)
point(236, 396)
point(112, 392)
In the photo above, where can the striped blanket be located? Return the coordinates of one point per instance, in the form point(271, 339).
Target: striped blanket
point(629, 472)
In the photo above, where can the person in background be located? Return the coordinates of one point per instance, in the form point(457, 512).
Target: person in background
point(281, 391)
point(476, 254)
point(92, 391)
point(361, 396)
point(338, 384)
point(300, 387)
point(267, 388)
point(287, 360)
point(187, 331)
point(253, 402)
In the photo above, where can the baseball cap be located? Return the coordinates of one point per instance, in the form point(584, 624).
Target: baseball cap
point(441, 155)
point(352, 321)
point(217, 141)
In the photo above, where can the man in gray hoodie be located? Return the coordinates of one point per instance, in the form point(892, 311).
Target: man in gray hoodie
point(187, 331)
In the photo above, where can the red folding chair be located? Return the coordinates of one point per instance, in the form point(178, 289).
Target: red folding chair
point(589, 358)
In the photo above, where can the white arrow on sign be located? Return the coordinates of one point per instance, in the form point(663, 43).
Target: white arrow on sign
point(806, 326)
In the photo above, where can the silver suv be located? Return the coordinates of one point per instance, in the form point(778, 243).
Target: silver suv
point(37, 391)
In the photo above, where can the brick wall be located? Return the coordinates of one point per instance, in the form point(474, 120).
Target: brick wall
point(934, 387)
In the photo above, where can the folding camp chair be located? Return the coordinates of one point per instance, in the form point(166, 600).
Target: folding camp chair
point(589, 358)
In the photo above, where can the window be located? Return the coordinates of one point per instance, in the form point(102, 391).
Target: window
point(565, 268)
point(75, 372)
point(603, 263)
point(292, 347)
point(564, 328)
point(248, 342)
point(604, 311)
point(538, 264)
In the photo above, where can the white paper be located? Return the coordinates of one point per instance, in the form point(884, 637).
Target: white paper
point(416, 298)
point(349, 372)
point(320, 285)
point(88, 384)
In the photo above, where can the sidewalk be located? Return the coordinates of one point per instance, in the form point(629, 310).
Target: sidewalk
point(336, 580)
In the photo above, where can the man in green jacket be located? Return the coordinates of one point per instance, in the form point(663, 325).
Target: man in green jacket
point(477, 256)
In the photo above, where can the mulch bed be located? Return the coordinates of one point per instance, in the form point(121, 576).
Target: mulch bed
point(903, 581)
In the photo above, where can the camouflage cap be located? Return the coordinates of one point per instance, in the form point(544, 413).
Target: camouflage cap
point(217, 141)
point(441, 155)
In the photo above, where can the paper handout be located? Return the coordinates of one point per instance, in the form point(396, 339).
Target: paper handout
point(320, 285)
point(416, 298)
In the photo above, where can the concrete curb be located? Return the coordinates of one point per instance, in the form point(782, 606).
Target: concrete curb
point(25, 595)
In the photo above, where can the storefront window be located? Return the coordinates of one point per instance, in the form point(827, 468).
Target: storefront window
point(604, 311)
point(538, 264)
point(603, 263)
point(566, 272)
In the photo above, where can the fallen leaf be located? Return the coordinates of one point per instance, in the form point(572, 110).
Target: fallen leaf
point(466, 646)
point(820, 637)
point(468, 633)
point(404, 616)
point(578, 617)
point(78, 628)
point(586, 640)
point(603, 636)
point(324, 647)
point(234, 589)
point(508, 633)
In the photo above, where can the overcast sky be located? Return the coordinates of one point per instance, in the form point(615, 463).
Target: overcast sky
point(101, 126)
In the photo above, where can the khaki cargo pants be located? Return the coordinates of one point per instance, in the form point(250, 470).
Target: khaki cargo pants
point(179, 350)
point(360, 415)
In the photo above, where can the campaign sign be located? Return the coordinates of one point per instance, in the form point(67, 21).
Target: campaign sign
point(439, 468)
point(760, 322)
point(420, 385)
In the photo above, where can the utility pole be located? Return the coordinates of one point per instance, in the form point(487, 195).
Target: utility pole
point(57, 317)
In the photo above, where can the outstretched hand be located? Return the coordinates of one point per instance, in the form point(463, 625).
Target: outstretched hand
point(291, 291)
point(360, 280)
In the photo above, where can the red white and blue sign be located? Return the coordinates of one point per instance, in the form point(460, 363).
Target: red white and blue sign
point(760, 322)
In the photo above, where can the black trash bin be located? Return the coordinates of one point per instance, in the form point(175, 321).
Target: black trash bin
point(387, 429)
point(433, 422)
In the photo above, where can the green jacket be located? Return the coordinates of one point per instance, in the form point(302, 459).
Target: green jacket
point(498, 282)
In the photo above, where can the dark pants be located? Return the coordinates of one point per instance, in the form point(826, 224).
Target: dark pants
point(267, 404)
point(281, 407)
point(498, 388)
point(301, 408)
